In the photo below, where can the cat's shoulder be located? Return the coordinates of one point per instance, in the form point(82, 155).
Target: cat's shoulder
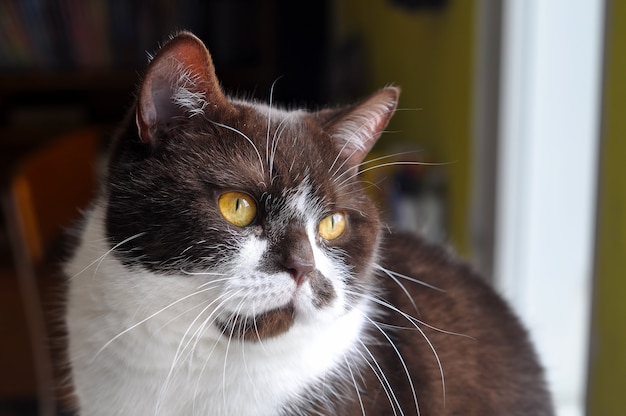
point(436, 276)
point(410, 253)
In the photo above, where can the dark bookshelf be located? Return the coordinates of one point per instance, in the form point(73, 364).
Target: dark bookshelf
point(59, 52)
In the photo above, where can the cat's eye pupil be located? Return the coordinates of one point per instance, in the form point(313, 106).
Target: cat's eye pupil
point(332, 226)
point(237, 208)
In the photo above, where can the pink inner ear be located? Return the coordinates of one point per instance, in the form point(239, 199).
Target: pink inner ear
point(145, 115)
point(359, 129)
point(180, 83)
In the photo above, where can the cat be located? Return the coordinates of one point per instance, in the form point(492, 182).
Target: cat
point(233, 264)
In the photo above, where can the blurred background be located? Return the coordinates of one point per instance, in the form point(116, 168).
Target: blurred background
point(518, 103)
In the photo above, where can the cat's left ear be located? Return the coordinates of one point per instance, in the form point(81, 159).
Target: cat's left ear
point(180, 83)
point(355, 129)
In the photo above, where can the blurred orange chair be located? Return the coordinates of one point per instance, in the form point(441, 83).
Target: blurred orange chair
point(44, 195)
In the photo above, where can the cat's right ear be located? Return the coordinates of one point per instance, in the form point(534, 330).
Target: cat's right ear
point(355, 129)
point(180, 83)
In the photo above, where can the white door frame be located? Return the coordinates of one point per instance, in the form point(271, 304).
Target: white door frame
point(546, 169)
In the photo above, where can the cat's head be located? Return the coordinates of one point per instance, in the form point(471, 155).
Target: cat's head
point(261, 207)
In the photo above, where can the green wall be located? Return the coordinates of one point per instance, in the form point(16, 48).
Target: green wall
point(430, 55)
point(607, 391)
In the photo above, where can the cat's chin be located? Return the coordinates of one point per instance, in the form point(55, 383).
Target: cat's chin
point(256, 328)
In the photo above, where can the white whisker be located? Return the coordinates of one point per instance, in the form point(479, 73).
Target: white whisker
point(414, 322)
point(102, 257)
point(391, 273)
point(145, 320)
point(356, 386)
point(339, 153)
point(178, 316)
point(256, 329)
point(206, 361)
point(188, 273)
point(372, 362)
point(228, 344)
point(196, 334)
point(382, 165)
point(269, 120)
point(245, 137)
point(277, 135)
point(370, 161)
point(402, 362)
point(402, 287)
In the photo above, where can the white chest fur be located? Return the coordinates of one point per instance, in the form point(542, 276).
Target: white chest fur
point(134, 353)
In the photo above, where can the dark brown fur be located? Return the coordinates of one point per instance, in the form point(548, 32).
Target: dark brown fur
point(163, 186)
point(489, 369)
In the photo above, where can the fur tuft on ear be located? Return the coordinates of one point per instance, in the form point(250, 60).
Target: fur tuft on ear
point(356, 129)
point(180, 83)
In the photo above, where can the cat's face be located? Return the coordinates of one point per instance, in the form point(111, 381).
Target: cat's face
point(260, 207)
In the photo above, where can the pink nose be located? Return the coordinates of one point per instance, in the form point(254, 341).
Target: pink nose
point(297, 259)
point(299, 268)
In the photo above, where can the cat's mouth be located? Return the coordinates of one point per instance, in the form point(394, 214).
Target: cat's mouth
point(256, 328)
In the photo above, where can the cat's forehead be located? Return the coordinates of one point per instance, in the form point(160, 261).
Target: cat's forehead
point(273, 147)
point(282, 128)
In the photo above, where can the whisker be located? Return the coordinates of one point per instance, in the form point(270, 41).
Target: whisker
point(188, 273)
point(359, 146)
point(256, 329)
point(339, 153)
point(222, 299)
point(269, 124)
point(206, 289)
point(359, 191)
point(178, 354)
point(370, 161)
point(206, 361)
point(101, 258)
point(196, 335)
point(169, 321)
point(356, 386)
point(382, 378)
point(245, 137)
point(414, 321)
point(391, 273)
point(402, 362)
point(382, 165)
point(145, 320)
point(212, 282)
point(243, 344)
point(224, 371)
point(402, 287)
point(277, 135)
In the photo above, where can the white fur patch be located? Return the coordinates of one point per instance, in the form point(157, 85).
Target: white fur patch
point(253, 291)
point(187, 93)
point(142, 344)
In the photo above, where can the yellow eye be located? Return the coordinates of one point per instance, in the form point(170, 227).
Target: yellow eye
point(238, 208)
point(332, 226)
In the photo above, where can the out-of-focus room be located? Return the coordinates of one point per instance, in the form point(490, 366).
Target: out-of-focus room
point(515, 106)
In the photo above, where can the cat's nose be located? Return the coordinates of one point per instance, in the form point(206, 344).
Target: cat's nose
point(299, 270)
point(298, 261)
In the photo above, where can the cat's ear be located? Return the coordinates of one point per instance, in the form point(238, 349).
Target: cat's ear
point(180, 83)
point(355, 129)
